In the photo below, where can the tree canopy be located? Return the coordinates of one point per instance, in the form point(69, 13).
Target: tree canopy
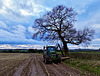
point(58, 24)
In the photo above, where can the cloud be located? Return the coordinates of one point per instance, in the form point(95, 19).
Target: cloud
point(97, 40)
point(5, 34)
point(19, 31)
point(19, 41)
point(17, 35)
point(92, 46)
point(20, 11)
point(23, 46)
point(30, 29)
point(2, 25)
point(97, 28)
point(81, 11)
point(92, 21)
point(80, 6)
point(6, 46)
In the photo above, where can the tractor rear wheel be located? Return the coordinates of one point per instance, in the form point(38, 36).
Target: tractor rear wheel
point(59, 59)
point(46, 59)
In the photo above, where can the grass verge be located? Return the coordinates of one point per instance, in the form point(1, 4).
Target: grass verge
point(87, 62)
point(90, 67)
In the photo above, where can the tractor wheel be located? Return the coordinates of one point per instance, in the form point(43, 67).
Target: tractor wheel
point(59, 59)
point(46, 59)
point(43, 58)
point(56, 62)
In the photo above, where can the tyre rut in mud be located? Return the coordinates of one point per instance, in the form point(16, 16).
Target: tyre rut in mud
point(34, 66)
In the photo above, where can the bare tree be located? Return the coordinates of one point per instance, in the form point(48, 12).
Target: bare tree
point(58, 25)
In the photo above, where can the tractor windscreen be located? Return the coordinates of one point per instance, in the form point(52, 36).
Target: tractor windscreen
point(51, 48)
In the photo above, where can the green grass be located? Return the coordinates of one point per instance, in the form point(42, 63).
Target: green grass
point(87, 62)
point(85, 56)
point(59, 52)
point(87, 52)
point(82, 52)
point(88, 66)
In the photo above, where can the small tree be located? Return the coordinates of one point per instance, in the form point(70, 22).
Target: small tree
point(58, 25)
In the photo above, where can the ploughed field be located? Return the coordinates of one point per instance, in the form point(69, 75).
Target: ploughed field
point(28, 64)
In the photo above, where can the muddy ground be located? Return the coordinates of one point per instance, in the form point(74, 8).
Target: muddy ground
point(25, 64)
point(34, 66)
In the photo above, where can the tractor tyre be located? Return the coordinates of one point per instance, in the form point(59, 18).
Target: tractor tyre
point(46, 59)
point(56, 62)
point(43, 58)
point(59, 59)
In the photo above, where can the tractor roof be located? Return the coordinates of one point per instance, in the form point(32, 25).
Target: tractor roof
point(50, 46)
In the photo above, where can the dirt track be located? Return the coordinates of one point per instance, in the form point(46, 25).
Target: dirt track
point(34, 66)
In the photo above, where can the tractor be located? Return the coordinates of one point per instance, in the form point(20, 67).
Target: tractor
point(49, 54)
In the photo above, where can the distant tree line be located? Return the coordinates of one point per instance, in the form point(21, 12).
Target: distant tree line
point(21, 51)
point(35, 51)
point(85, 50)
point(41, 51)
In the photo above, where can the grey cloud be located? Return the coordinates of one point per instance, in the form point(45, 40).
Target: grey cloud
point(16, 35)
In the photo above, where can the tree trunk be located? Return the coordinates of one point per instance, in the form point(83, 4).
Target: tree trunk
point(64, 44)
point(65, 48)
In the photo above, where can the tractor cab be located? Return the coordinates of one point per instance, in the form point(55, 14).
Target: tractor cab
point(51, 50)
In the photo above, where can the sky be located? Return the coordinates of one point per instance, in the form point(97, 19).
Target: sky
point(17, 19)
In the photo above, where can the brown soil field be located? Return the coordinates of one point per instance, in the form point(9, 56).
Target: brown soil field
point(24, 64)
